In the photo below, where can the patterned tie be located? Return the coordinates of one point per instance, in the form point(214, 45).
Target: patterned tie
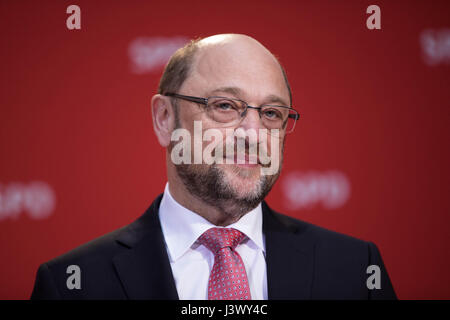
point(228, 279)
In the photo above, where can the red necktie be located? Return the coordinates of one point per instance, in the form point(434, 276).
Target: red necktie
point(228, 279)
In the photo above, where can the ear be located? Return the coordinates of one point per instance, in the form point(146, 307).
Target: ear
point(163, 119)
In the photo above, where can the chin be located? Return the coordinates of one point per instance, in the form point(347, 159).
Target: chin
point(244, 181)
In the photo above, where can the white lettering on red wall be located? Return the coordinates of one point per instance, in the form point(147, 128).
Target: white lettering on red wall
point(36, 199)
point(306, 190)
point(148, 54)
point(435, 46)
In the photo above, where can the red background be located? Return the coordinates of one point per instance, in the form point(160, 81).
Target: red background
point(74, 115)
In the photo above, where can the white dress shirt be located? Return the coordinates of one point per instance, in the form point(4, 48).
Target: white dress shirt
point(191, 262)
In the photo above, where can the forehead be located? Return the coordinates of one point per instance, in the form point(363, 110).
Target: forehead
point(245, 65)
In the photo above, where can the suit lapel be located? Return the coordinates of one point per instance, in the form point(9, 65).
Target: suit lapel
point(145, 273)
point(144, 270)
point(289, 257)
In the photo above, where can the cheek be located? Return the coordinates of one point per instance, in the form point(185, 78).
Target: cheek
point(194, 122)
point(277, 142)
point(186, 121)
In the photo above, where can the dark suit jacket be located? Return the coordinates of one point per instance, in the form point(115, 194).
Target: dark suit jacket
point(304, 261)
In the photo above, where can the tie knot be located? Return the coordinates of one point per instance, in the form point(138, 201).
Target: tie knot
point(217, 238)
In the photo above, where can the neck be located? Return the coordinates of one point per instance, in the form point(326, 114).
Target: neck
point(191, 202)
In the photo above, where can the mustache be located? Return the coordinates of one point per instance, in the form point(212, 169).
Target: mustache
point(247, 150)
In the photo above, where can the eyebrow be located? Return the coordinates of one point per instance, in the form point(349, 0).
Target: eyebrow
point(271, 98)
point(232, 90)
point(237, 92)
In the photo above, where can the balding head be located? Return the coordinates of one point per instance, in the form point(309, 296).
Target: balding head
point(185, 60)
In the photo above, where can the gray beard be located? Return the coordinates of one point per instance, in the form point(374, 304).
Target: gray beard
point(210, 186)
point(207, 183)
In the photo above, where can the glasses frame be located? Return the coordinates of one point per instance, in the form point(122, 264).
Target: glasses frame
point(204, 101)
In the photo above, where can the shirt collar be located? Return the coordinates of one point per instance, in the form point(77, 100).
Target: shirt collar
point(182, 227)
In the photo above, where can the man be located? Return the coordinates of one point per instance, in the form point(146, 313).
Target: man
point(211, 235)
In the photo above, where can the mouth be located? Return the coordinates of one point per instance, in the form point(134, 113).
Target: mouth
point(243, 160)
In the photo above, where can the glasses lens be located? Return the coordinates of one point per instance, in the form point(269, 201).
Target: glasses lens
point(224, 110)
point(274, 117)
point(277, 117)
point(229, 111)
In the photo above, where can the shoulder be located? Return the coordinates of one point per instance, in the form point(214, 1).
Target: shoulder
point(90, 263)
point(93, 251)
point(95, 263)
point(338, 263)
point(312, 234)
point(105, 247)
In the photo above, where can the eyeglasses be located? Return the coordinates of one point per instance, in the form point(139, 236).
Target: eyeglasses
point(231, 111)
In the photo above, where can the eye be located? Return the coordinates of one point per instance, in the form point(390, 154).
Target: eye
point(224, 106)
point(272, 114)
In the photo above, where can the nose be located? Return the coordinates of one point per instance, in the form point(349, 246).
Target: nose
point(251, 120)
